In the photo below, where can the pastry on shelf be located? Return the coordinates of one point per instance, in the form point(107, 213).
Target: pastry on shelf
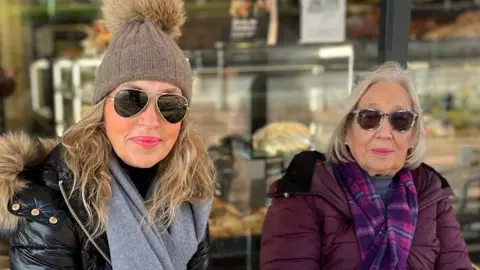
point(226, 221)
point(467, 25)
point(468, 18)
point(420, 26)
point(441, 33)
point(364, 24)
point(226, 226)
point(255, 219)
point(220, 207)
point(282, 138)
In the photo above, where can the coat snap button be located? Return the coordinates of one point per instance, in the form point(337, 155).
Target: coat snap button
point(35, 212)
point(15, 207)
point(286, 195)
point(53, 220)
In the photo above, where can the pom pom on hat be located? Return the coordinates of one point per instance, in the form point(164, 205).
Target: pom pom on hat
point(168, 15)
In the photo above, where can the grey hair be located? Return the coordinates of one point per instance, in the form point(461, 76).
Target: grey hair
point(392, 72)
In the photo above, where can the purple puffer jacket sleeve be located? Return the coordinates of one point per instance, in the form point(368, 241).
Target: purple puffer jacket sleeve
point(453, 250)
point(291, 237)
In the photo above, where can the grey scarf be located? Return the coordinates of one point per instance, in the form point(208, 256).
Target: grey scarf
point(136, 245)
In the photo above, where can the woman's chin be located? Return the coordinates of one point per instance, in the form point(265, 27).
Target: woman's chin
point(382, 168)
point(140, 160)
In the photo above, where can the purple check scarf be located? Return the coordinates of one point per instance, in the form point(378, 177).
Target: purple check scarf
point(384, 235)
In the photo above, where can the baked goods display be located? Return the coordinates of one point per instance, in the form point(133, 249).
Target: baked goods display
point(227, 221)
point(363, 23)
point(240, 8)
point(282, 138)
point(466, 25)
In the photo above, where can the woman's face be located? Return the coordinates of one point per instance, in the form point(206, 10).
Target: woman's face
point(382, 151)
point(145, 139)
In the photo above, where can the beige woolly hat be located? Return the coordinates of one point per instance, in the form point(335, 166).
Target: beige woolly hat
point(143, 45)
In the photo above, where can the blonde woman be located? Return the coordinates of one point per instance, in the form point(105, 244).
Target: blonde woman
point(130, 185)
point(371, 202)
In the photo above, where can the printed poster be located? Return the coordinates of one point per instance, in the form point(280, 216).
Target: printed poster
point(322, 21)
point(250, 20)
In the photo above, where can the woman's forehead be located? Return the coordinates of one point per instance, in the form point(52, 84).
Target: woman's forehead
point(385, 95)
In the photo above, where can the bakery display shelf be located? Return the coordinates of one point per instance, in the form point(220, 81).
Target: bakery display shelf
point(446, 6)
point(365, 54)
point(214, 8)
point(32, 10)
point(444, 50)
point(92, 10)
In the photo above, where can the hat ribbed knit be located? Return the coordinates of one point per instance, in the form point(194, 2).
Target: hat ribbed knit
point(140, 50)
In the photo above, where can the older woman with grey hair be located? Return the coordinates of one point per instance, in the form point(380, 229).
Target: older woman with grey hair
point(371, 202)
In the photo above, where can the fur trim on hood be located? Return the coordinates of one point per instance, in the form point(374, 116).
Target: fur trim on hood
point(16, 151)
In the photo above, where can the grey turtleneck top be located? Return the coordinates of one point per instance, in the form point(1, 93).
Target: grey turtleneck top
point(382, 183)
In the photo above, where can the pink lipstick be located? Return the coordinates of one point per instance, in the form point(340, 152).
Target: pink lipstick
point(146, 141)
point(382, 151)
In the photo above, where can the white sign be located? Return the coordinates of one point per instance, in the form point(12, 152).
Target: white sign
point(243, 28)
point(322, 21)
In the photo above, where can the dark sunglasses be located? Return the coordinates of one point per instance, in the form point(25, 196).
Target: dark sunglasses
point(131, 102)
point(371, 119)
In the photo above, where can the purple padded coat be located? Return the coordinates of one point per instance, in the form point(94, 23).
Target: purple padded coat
point(309, 225)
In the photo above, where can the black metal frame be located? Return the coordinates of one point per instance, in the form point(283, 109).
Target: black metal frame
point(394, 31)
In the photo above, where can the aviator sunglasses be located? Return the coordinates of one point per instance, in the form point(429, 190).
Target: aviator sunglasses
point(371, 119)
point(129, 103)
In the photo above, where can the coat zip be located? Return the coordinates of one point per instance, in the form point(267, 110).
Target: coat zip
point(320, 194)
point(440, 196)
point(90, 238)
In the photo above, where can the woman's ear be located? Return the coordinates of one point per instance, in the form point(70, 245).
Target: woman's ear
point(347, 134)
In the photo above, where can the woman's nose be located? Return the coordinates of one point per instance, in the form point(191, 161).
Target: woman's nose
point(150, 117)
point(384, 131)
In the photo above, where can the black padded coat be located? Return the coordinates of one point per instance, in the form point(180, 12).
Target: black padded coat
point(46, 230)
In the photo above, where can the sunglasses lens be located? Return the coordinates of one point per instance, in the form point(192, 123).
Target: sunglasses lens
point(129, 102)
point(369, 119)
point(172, 107)
point(402, 121)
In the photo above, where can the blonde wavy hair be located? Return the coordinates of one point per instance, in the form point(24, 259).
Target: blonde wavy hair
point(391, 72)
point(186, 174)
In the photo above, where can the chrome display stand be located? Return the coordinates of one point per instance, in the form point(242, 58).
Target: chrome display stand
point(68, 87)
point(37, 89)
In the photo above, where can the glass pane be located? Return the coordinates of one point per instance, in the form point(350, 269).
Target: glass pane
point(444, 56)
point(291, 92)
